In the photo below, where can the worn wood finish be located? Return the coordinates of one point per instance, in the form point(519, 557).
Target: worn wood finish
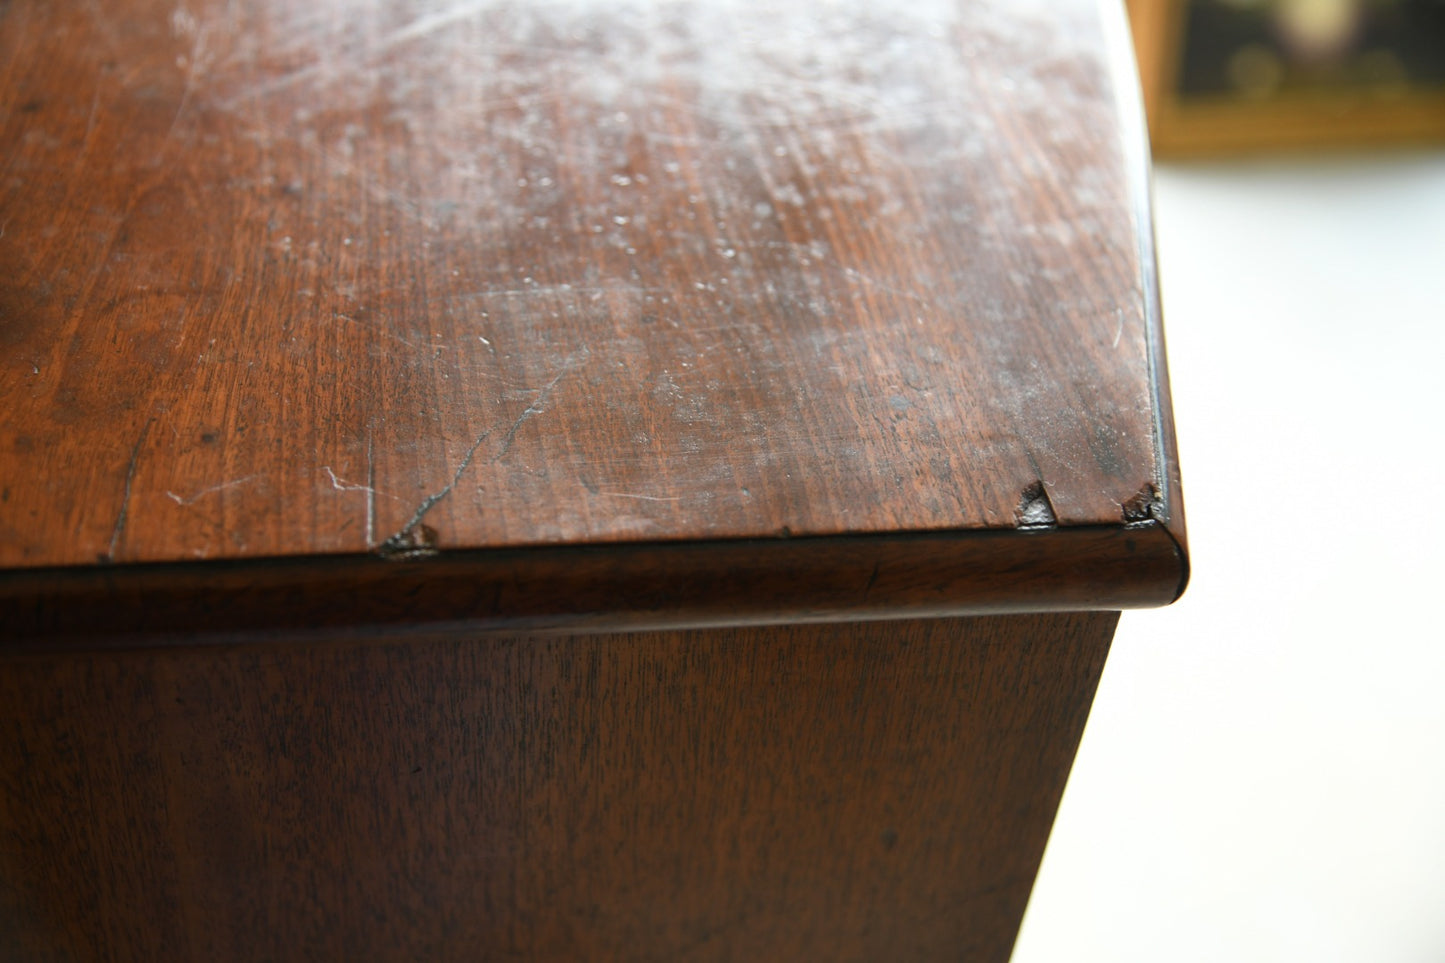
point(363, 365)
point(287, 280)
point(868, 792)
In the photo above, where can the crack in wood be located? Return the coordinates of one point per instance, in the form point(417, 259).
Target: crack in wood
point(118, 531)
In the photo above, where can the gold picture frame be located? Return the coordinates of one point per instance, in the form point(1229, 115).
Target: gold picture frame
point(1223, 76)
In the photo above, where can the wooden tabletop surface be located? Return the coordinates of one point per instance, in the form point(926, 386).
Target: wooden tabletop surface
point(405, 279)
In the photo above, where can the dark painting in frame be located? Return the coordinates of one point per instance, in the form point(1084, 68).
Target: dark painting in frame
point(1244, 75)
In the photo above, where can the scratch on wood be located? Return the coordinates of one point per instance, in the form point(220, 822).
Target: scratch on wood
point(89, 125)
point(416, 29)
point(403, 544)
point(193, 65)
point(118, 530)
point(415, 540)
point(278, 83)
point(375, 327)
point(536, 406)
point(342, 485)
point(643, 498)
point(370, 494)
point(206, 491)
point(552, 290)
point(431, 23)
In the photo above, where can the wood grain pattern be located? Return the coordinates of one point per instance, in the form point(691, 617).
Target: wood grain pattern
point(332, 279)
point(868, 792)
point(370, 371)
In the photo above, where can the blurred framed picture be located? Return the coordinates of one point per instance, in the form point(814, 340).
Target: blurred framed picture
point(1239, 75)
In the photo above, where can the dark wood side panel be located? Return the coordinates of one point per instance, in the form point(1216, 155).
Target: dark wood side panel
point(868, 792)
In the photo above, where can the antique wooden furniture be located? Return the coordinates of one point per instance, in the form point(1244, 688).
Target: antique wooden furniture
point(567, 480)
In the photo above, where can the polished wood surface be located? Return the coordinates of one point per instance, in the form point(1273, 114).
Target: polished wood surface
point(869, 792)
point(333, 280)
point(653, 586)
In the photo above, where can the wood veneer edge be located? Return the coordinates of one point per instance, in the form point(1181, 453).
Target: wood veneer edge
point(593, 588)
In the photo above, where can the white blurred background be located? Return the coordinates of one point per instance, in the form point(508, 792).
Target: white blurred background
point(1263, 774)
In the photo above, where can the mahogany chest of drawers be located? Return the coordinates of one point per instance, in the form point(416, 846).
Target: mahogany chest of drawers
point(562, 480)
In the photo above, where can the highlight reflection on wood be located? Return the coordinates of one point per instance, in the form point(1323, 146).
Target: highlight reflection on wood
point(501, 391)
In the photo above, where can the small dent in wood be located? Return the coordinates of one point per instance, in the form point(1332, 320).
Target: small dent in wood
point(419, 541)
point(1035, 510)
point(1146, 505)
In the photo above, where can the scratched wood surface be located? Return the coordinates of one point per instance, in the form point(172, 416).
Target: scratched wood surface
point(412, 344)
point(285, 279)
